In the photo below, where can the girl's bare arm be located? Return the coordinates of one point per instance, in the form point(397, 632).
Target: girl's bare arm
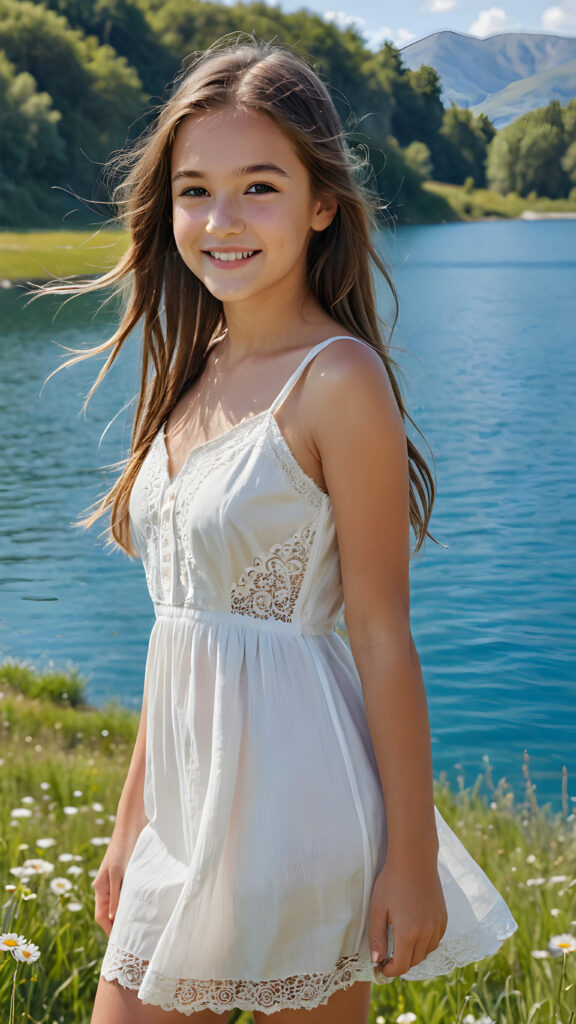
point(130, 816)
point(359, 434)
point(130, 820)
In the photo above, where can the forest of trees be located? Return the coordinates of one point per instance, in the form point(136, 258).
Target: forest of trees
point(81, 78)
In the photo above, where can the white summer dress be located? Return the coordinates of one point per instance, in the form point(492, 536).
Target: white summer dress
point(250, 886)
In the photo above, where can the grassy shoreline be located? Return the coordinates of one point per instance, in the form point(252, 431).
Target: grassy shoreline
point(64, 764)
point(41, 255)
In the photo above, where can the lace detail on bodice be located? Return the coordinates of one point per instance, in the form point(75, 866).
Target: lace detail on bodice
point(220, 451)
point(269, 588)
point(303, 484)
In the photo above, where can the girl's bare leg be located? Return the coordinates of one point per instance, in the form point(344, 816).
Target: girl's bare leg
point(347, 1006)
point(117, 1005)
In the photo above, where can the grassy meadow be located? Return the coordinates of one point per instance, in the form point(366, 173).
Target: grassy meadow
point(63, 764)
point(40, 255)
point(468, 204)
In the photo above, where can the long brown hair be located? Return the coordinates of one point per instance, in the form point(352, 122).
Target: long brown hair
point(180, 316)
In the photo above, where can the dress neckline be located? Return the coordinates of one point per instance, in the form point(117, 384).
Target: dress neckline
point(253, 418)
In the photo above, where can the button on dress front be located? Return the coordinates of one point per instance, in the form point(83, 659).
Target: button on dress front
point(250, 885)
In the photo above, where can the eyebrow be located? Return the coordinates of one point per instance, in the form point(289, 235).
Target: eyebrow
point(239, 172)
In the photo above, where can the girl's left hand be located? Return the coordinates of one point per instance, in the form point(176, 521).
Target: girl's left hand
point(409, 895)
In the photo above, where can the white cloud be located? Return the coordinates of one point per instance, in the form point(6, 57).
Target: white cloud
point(374, 37)
point(344, 20)
point(560, 18)
point(494, 19)
point(438, 6)
point(377, 36)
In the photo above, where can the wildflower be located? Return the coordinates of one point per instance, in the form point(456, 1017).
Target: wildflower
point(45, 844)
point(77, 793)
point(100, 840)
point(10, 941)
point(65, 857)
point(74, 906)
point(60, 886)
point(21, 812)
point(380, 1020)
point(406, 1018)
point(469, 1019)
point(38, 866)
point(531, 859)
point(10, 888)
point(70, 810)
point(560, 944)
point(558, 878)
point(535, 881)
point(27, 953)
point(540, 954)
point(74, 870)
point(29, 896)
point(27, 800)
point(44, 785)
point(98, 808)
point(554, 911)
point(485, 1019)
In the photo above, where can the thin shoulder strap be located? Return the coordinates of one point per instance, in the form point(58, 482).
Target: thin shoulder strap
point(309, 355)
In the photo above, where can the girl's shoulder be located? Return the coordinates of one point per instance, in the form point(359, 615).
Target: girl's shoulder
point(349, 378)
point(347, 361)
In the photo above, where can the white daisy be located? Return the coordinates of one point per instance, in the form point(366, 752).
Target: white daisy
point(561, 944)
point(10, 941)
point(60, 886)
point(38, 866)
point(27, 953)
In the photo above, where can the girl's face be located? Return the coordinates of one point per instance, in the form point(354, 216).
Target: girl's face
point(242, 207)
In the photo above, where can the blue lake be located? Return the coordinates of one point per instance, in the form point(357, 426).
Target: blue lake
point(487, 349)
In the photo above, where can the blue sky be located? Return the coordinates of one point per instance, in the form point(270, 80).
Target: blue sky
point(413, 19)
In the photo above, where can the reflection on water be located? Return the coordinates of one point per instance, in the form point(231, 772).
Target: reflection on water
point(485, 340)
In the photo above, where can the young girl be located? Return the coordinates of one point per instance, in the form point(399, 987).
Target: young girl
point(276, 846)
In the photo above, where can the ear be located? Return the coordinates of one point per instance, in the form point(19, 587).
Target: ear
point(324, 211)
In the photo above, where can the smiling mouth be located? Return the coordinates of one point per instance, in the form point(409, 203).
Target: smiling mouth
point(237, 256)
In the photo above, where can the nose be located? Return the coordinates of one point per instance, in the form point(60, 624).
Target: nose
point(224, 218)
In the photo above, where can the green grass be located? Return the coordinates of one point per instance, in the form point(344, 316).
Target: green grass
point(481, 202)
point(55, 756)
point(38, 255)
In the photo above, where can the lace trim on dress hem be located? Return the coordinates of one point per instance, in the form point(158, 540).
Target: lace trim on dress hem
point(189, 996)
point(303, 990)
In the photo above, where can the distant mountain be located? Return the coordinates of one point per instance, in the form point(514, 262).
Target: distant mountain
point(503, 75)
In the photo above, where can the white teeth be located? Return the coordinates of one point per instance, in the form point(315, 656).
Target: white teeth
point(227, 256)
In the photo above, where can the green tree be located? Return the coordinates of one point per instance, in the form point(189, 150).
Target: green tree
point(31, 146)
point(96, 92)
point(465, 152)
point(123, 25)
point(539, 164)
point(417, 157)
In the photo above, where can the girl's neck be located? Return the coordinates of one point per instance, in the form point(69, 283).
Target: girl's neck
point(253, 329)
